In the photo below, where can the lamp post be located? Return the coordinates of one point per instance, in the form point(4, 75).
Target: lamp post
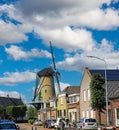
point(105, 86)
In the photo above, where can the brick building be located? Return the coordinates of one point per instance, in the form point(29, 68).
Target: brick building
point(112, 90)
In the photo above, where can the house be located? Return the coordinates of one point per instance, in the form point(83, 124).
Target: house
point(68, 103)
point(112, 88)
point(48, 110)
point(73, 104)
point(62, 105)
point(114, 102)
point(9, 101)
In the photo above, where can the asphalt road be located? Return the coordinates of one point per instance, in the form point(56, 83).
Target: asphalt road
point(26, 126)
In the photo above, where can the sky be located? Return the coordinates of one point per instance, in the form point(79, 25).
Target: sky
point(76, 28)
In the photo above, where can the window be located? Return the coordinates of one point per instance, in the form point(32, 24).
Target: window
point(70, 115)
point(74, 98)
point(88, 94)
point(45, 90)
point(87, 114)
point(75, 116)
point(117, 116)
point(83, 113)
point(92, 114)
point(71, 99)
point(84, 95)
point(64, 112)
point(60, 113)
point(61, 100)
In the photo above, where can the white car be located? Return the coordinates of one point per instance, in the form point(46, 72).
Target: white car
point(38, 122)
point(87, 123)
point(59, 122)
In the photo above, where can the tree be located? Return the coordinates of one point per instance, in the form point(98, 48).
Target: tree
point(97, 91)
point(22, 111)
point(9, 111)
point(1, 111)
point(16, 111)
point(32, 112)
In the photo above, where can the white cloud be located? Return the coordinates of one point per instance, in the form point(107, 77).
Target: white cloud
point(57, 18)
point(10, 79)
point(62, 86)
point(9, 33)
point(68, 39)
point(13, 94)
point(78, 62)
point(19, 54)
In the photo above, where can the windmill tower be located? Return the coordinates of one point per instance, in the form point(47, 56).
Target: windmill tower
point(46, 89)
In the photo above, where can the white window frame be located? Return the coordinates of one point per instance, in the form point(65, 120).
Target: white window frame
point(84, 95)
point(89, 94)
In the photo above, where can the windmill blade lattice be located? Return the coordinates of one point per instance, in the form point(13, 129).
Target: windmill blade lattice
point(57, 74)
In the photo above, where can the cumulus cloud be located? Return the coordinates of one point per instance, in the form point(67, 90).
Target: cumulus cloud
point(19, 53)
point(9, 33)
point(58, 18)
point(78, 62)
point(12, 78)
point(68, 39)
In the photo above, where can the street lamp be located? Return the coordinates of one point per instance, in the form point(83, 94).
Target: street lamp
point(105, 85)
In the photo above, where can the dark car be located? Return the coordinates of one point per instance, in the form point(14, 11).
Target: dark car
point(7, 125)
point(50, 123)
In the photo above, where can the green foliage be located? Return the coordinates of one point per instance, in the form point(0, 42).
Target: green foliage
point(31, 121)
point(16, 111)
point(9, 110)
point(22, 109)
point(1, 110)
point(97, 93)
point(40, 96)
point(32, 112)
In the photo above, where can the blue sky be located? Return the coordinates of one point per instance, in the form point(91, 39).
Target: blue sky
point(76, 28)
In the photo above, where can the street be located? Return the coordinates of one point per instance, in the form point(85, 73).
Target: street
point(27, 126)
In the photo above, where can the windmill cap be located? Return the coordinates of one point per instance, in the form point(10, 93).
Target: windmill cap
point(46, 72)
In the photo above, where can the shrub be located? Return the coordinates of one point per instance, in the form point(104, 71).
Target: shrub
point(31, 121)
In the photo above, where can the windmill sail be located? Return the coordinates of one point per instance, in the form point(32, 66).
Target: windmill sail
point(36, 87)
point(57, 74)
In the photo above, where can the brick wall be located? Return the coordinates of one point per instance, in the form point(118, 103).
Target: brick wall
point(114, 105)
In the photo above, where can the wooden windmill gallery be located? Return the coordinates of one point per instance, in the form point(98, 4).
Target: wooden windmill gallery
point(45, 92)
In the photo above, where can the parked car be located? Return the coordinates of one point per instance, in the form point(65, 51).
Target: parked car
point(87, 123)
point(7, 125)
point(62, 122)
point(38, 122)
point(50, 123)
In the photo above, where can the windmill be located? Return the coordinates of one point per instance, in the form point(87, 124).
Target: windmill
point(45, 81)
